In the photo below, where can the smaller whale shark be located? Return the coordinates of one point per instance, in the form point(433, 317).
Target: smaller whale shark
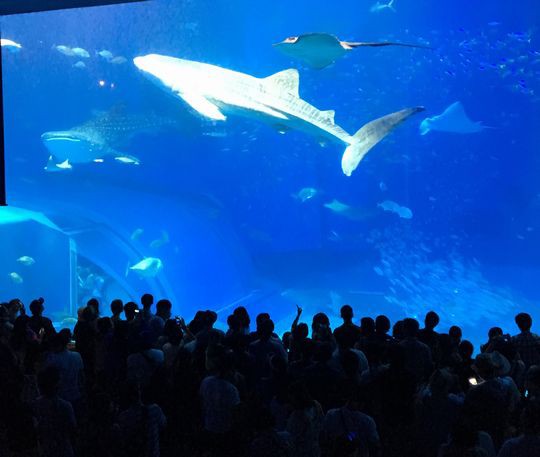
point(99, 138)
point(453, 119)
point(319, 50)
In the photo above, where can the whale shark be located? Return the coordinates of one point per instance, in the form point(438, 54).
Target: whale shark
point(453, 119)
point(215, 93)
point(99, 138)
point(319, 50)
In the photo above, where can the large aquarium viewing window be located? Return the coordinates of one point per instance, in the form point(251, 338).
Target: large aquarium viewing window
point(254, 154)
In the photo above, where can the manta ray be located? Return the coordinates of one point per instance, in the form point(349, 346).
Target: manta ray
point(215, 93)
point(101, 137)
point(319, 50)
point(453, 119)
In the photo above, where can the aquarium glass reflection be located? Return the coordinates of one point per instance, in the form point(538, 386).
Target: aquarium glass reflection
point(275, 154)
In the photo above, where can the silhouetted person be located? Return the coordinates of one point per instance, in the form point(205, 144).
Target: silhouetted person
point(494, 334)
point(140, 425)
point(429, 336)
point(147, 300)
point(348, 333)
point(243, 318)
point(94, 304)
point(117, 307)
point(417, 355)
point(70, 368)
point(55, 417)
point(38, 323)
point(527, 343)
point(305, 422)
point(527, 444)
point(264, 347)
point(455, 334)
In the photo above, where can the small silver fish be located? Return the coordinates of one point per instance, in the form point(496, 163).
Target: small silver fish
point(118, 60)
point(66, 50)
point(15, 278)
point(107, 55)
point(80, 52)
point(164, 239)
point(26, 260)
point(136, 234)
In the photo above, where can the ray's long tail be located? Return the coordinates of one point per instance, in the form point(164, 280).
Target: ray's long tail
point(371, 134)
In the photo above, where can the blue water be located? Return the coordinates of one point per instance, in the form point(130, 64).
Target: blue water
point(222, 194)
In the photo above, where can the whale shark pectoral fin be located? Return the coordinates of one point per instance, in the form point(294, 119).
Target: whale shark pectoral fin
point(203, 106)
point(285, 81)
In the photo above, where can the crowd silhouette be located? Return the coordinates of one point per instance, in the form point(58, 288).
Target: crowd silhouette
point(142, 383)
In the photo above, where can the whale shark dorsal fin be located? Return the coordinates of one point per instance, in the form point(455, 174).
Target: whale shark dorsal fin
point(328, 116)
point(285, 81)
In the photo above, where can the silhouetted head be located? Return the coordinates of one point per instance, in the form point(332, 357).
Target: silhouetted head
point(466, 349)
point(495, 332)
point(94, 304)
point(266, 329)
point(524, 322)
point(210, 318)
point(261, 318)
point(432, 320)
point(48, 381)
point(60, 340)
point(367, 325)
point(147, 300)
point(241, 313)
point(320, 319)
point(382, 325)
point(117, 307)
point(440, 382)
point(163, 308)
point(410, 327)
point(130, 310)
point(88, 314)
point(301, 332)
point(347, 313)
point(36, 307)
point(491, 364)
point(397, 330)
point(455, 333)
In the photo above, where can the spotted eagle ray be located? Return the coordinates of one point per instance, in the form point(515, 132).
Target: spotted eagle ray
point(453, 119)
point(216, 92)
point(99, 138)
point(319, 50)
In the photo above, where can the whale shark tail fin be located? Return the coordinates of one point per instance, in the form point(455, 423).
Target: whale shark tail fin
point(371, 134)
